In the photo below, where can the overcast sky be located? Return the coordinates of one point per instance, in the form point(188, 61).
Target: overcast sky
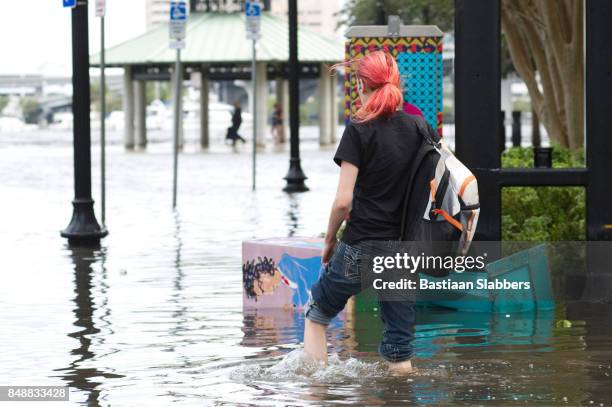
point(35, 34)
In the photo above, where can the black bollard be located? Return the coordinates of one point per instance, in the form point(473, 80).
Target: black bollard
point(83, 228)
point(542, 157)
point(295, 176)
point(516, 128)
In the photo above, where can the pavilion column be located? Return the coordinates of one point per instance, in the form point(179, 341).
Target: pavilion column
point(204, 128)
point(282, 98)
point(140, 107)
point(261, 96)
point(128, 108)
point(334, 110)
point(325, 98)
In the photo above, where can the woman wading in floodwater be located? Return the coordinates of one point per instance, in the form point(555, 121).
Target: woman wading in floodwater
point(374, 156)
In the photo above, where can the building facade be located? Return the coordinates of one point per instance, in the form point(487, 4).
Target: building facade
point(317, 15)
point(156, 13)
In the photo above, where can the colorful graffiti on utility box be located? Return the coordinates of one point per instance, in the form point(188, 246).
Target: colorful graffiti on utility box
point(278, 272)
point(418, 53)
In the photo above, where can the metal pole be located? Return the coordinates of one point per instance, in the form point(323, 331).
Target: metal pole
point(477, 105)
point(177, 116)
point(598, 66)
point(83, 228)
point(295, 176)
point(254, 84)
point(102, 124)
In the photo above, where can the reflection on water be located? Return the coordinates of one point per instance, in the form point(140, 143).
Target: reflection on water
point(77, 374)
point(154, 316)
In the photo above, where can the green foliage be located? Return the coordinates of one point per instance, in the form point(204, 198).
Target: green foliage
point(30, 109)
point(3, 102)
point(113, 98)
point(543, 213)
point(522, 157)
point(438, 12)
point(309, 112)
point(158, 89)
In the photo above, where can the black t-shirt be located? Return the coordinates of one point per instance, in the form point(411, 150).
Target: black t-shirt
point(383, 150)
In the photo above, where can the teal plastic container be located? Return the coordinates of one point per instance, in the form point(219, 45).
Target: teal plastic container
point(527, 266)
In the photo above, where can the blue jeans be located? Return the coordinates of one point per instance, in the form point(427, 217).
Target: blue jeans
point(341, 280)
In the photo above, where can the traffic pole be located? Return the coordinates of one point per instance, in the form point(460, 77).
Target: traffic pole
point(252, 14)
point(102, 118)
point(83, 229)
point(178, 21)
point(254, 84)
point(178, 77)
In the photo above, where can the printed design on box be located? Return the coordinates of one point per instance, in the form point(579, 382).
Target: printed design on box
point(420, 62)
point(285, 284)
point(423, 74)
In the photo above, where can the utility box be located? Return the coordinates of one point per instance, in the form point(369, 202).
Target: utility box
point(417, 50)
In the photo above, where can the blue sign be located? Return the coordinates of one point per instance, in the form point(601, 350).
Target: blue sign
point(178, 11)
point(69, 3)
point(252, 9)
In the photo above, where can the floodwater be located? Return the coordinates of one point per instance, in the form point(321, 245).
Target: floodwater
point(154, 317)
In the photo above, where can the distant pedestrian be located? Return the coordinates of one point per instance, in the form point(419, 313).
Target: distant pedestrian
point(232, 131)
point(278, 131)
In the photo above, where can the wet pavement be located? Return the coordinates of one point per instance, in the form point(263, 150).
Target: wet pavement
point(154, 316)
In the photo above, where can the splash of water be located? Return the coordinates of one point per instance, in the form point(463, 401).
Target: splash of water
point(297, 366)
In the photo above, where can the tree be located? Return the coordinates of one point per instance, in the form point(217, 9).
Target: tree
point(3, 102)
point(438, 12)
point(30, 109)
point(545, 40)
point(113, 99)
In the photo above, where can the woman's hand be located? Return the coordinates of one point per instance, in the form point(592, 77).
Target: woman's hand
point(328, 251)
point(340, 208)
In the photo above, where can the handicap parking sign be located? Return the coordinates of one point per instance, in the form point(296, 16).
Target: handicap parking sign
point(178, 11)
point(252, 9)
point(69, 3)
point(178, 21)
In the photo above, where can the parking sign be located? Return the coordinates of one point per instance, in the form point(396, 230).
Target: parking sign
point(69, 3)
point(252, 11)
point(100, 8)
point(178, 20)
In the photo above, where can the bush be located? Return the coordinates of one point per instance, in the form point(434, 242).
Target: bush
point(522, 157)
point(543, 213)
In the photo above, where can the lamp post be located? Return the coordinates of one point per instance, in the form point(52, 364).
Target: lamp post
point(83, 228)
point(295, 176)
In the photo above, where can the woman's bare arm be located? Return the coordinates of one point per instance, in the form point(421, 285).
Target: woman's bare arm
point(340, 207)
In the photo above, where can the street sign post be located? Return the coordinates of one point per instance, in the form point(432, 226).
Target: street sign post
point(100, 8)
point(178, 21)
point(69, 3)
point(252, 10)
point(101, 12)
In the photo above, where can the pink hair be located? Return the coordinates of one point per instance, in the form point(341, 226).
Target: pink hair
point(380, 76)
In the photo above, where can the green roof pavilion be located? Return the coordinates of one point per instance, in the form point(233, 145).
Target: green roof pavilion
point(217, 49)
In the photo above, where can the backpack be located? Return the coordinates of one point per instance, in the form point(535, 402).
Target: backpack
point(441, 198)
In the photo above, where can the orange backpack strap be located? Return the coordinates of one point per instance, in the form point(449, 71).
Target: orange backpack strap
point(465, 183)
point(432, 188)
point(448, 218)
